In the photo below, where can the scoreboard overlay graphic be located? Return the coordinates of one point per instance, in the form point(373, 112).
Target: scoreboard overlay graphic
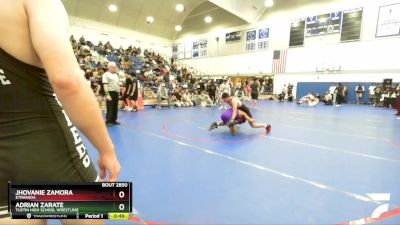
point(107, 200)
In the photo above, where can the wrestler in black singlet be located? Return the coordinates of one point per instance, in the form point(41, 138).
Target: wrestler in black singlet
point(37, 141)
point(244, 108)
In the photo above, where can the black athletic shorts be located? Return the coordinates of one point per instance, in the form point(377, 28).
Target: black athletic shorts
point(134, 97)
point(126, 97)
point(254, 96)
point(245, 109)
point(42, 150)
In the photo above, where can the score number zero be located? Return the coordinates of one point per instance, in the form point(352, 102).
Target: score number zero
point(121, 194)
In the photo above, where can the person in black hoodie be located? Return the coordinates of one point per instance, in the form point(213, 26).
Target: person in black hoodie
point(340, 95)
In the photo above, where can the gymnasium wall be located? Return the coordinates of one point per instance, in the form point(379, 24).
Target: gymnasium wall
point(369, 55)
point(321, 82)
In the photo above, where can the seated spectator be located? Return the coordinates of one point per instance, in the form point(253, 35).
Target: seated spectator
point(196, 98)
point(390, 99)
point(281, 96)
point(384, 95)
point(162, 94)
point(148, 93)
point(87, 61)
point(328, 98)
point(310, 99)
point(177, 98)
point(205, 100)
point(186, 101)
point(290, 97)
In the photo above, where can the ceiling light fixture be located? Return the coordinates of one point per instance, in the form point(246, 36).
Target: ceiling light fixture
point(112, 8)
point(268, 3)
point(150, 19)
point(180, 7)
point(178, 28)
point(208, 19)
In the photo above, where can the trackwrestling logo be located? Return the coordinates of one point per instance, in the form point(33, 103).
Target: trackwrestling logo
point(381, 209)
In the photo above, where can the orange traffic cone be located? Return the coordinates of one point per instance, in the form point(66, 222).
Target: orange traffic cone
point(140, 104)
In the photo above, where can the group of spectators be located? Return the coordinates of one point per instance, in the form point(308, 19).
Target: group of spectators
point(171, 85)
point(286, 93)
point(379, 95)
point(157, 78)
point(132, 65)
point(383, 96)
point(201, 92)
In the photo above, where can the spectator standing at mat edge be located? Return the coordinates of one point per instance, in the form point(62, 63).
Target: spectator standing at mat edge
point(255, 91)
point(359, 92)
point(340, 93)
point(371, 94)
point(332, 91)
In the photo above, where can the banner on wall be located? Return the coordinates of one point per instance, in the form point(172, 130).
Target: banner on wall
point(200, 48)
point(175, 51)
point(257, 39)
point(251, 37)
point(263, 38)
point(178, 51)
point(388, 21)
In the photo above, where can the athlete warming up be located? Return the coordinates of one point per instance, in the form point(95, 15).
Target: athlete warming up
point(44, 101)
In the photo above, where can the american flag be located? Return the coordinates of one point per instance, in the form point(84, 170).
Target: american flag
point(279, 61)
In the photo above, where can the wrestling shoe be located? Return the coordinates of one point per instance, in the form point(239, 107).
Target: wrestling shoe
point(213, 126)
